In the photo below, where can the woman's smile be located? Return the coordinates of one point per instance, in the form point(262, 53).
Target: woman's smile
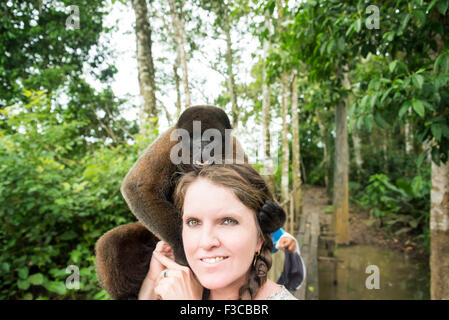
point(213, 260)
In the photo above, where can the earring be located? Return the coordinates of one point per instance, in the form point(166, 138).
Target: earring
point(255, 258)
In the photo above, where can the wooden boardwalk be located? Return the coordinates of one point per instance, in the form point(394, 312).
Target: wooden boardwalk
point(308, 236)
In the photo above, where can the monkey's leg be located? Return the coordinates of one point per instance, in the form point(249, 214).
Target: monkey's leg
point(122, 259)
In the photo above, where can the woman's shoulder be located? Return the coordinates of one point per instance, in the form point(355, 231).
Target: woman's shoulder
point(274, 291)
point(282, 294)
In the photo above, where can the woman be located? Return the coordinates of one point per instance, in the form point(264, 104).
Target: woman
point(227, 217)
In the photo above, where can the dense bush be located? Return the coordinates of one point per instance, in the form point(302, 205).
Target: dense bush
point(54, 205)
point(402, 206)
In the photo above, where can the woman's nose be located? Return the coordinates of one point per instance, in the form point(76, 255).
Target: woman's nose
point(209, 238)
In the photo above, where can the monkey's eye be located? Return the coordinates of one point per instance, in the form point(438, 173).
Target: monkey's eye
point(191, 222)
point(229, 221)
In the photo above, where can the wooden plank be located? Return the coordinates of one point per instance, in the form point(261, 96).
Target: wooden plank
point(312, 283)
point(292, 214)
point(329, 259)
point(303, 241)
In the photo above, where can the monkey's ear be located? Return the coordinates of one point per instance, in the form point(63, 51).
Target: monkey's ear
point(122, 259)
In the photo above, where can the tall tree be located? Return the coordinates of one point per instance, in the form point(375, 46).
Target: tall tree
point(230, 66)
point(439, 231)
point(284, 107)
point(177, 14)
point(227, 14)
point(340, 218)
point(296, 170)
point(148, 112)
point(266, 106)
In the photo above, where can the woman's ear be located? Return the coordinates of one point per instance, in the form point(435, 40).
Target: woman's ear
point(259, 243)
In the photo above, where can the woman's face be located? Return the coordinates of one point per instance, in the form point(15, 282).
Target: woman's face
point(219, 234)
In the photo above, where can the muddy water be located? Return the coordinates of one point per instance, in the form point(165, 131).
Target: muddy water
point(400, 276)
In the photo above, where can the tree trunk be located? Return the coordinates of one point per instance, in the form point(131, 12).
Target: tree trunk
point(296, 170)
point(439, 232)
point(229, 63)
point(177, 84)
point(326, 160)
point(340, 219)
point(408, 137)
point(385, 150)
point(357, 150)
point(148, 113)
point(284, 108)
point(268, 169)
point(285, 147)
point(439, 219)
point(179, 28)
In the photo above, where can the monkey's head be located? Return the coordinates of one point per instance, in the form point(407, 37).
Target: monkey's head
point(209, 131)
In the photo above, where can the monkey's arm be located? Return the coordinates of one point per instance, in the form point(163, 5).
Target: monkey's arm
point(146, 189)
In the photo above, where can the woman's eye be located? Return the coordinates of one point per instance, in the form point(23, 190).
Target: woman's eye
point(192, 222)
point(228, 221)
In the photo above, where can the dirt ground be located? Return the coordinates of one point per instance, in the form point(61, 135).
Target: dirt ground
point(363, 230)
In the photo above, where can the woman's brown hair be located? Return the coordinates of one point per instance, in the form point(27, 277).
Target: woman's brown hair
point(253, 192)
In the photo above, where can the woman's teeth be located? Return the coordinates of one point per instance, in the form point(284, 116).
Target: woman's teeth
point(213, 260)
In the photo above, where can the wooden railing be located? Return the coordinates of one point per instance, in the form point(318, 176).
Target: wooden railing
point(291, 225)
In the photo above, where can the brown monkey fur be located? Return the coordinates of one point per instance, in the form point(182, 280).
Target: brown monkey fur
point(123, 254)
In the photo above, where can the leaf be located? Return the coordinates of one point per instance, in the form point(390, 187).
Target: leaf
point(380, 121)
point(436, 131)
point(431, 5)
point(5, 267)
point(392, 65)
point(416, 184)
point(69, 235)
point(36, 279)
point(413, 223)
point(23, 284)
point(385, 95)
point(420, 159)
point(445, 130)
point(341, 44)
point(56, 287)
point(405, 186)
point(369, 122)
point(403, 230)
point(442, 6)
point(358, 25)
point(418, 106)
point(442, 62)
point(418, 81)
point(330, 46)
point(23, 273)
point(420, 14)
point(404, 108)
point(404, 23)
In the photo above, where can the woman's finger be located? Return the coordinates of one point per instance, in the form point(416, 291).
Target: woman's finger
point(167, 262)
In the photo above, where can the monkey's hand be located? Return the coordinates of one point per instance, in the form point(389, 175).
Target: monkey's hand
point(287, 243)
point(176, 282)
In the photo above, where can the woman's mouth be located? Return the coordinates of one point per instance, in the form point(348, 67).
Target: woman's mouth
point(212, 260)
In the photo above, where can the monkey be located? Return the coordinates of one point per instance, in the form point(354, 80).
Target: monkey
point(123, 254)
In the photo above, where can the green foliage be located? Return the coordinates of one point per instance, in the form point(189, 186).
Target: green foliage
point(403, 206)
point(54, 208)
point(39, 51)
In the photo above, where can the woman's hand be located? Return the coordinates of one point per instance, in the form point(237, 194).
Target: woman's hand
point(155, 266)
point(176, 282)
point(288, 243)
point(146, 291)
